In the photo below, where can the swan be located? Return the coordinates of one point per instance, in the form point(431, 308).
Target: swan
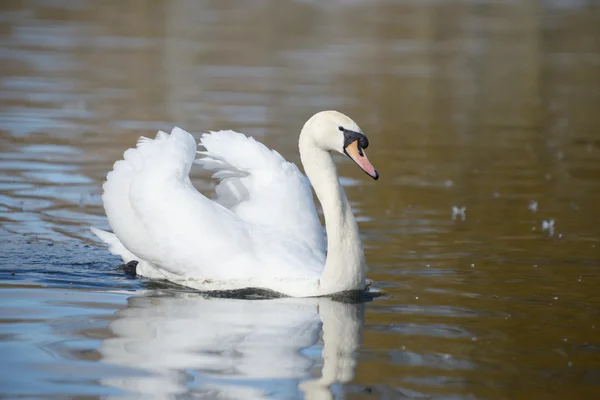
point(262, 230)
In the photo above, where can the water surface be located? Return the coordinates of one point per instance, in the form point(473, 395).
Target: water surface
point(482, 232)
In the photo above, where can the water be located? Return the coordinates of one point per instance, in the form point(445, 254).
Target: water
point(475, 112)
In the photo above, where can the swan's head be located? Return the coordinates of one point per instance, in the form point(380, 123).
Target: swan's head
point(334, 131)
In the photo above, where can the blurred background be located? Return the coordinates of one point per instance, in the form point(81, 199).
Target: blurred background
point(483, 231)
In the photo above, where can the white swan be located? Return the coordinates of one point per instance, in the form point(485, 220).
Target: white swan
point(262, 231)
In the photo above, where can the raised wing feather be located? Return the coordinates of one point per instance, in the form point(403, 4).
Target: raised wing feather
point(124, 221)
point(261, 187)
point(270, 229)
point(159, 216)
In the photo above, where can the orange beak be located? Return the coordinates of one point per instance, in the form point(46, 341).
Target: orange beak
point(359, 156)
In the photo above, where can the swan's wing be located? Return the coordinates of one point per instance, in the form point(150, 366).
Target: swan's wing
point(159, 216)
point(261, 187)
point(130, 235)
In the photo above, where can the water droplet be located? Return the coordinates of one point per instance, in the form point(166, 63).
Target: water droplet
point(459, 212)
point(416, 297)
point(555, 297)
point(548, 226)
point(533, 205)
point(472, 265)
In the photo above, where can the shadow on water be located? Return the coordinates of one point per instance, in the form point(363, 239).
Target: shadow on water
point(351, 296)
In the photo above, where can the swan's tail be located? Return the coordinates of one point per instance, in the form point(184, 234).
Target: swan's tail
point(114, 245)
point(144, 268)
point(141, 167)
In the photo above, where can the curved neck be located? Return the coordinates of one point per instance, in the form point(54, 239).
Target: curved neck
point(345, 265)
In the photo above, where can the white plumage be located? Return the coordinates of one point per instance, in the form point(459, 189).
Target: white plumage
point(262, 231)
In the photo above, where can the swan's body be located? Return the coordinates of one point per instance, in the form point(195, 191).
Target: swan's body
point(262, 231)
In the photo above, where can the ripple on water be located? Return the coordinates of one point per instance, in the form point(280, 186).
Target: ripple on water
point(430, 330)
point(43, 329)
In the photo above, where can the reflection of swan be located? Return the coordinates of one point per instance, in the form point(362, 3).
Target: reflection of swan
point(262, 232)
point(233, 348)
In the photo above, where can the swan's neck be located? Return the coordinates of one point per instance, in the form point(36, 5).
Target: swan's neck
point(345, 265)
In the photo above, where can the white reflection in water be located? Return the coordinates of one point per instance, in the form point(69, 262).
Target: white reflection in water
point(234, 348)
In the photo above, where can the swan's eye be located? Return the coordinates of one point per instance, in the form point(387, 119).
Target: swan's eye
point(341, 128)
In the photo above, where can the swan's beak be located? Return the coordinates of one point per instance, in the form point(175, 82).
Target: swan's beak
point(358, 155)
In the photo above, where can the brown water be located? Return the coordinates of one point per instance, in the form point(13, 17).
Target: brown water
point(488, 105)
